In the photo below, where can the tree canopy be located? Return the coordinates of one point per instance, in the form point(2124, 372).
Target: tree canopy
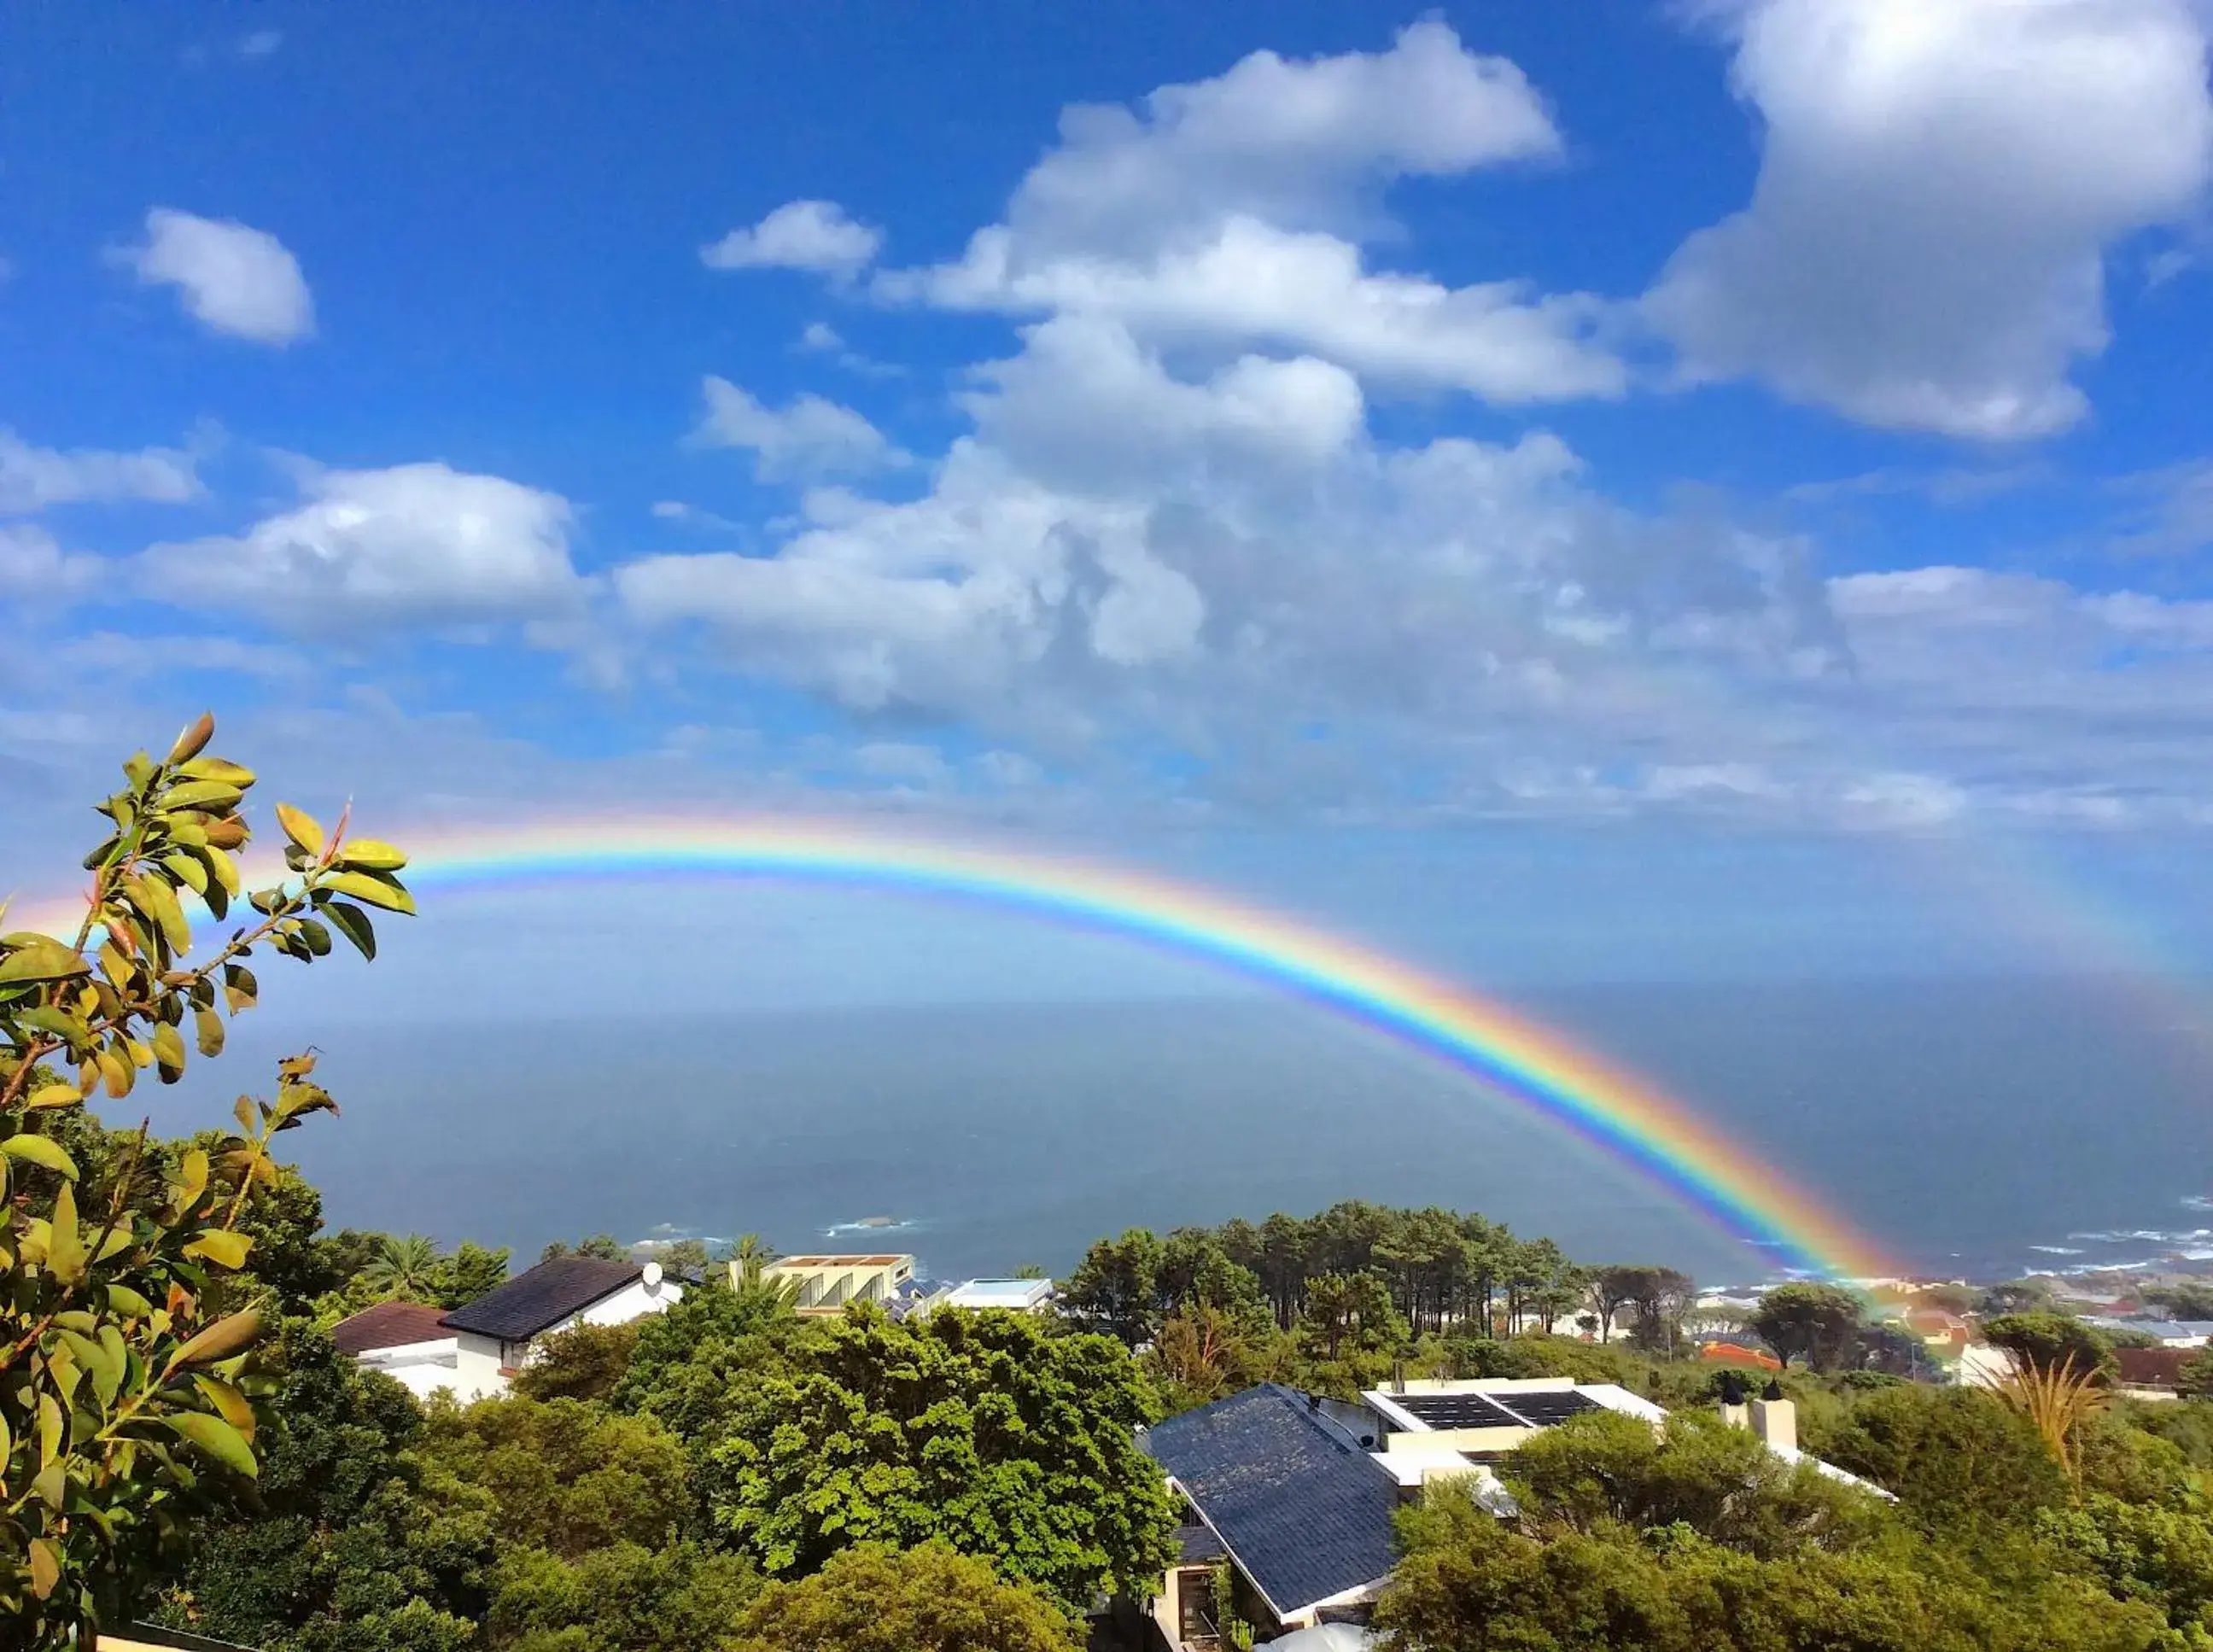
point(990, 1432)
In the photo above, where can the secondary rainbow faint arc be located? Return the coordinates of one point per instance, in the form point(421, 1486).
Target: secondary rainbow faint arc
point(1628, 1117)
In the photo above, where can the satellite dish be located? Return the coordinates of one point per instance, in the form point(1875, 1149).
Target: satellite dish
point(652, 1275)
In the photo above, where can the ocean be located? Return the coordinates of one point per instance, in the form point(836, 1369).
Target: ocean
point(1977, 1128)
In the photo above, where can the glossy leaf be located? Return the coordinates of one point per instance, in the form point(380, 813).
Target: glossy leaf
point(301, 827)
point(217, 1438)
point(221, 1247)
point(375, 891)
point(352, 923)
point(42, 1151)
point(225, 1337)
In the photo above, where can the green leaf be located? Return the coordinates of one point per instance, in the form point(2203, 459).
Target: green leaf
point(229, 1404)
point(54, 1095)
point(159, 902)
point(216, 768)
point(226, 1336)
point(300, 826)
point(211, 796)
point(188, 870)
point(169, 1053)
point(240, 987)
point(65, 1245)
point(121, 1299)
point(368, 854)
point(50, 1429)
point(209, 1027)
point(368, 887)
point(40, 1150)
point(217, 1438)
point(59, 1022)
point(222, 1247)
point(353, 923)
point(42, 959)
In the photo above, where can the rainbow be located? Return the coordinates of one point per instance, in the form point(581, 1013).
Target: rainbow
point(1628, 1119)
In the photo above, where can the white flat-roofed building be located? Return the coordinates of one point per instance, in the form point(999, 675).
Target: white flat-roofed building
point(1018, 1296)
point(827, 1283)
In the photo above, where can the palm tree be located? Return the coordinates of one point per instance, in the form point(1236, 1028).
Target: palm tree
point(2056, 1400)
point(749, 1255)
point(403, 1267)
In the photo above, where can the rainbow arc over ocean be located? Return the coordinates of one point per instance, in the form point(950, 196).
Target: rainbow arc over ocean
point(1629, 1120)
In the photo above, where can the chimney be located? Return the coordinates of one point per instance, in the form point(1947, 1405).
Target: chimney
point(1775, 1419)
point(1732, 1409)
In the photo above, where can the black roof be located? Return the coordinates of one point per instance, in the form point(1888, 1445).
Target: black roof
point(545, 1296)
point(1305, 1511)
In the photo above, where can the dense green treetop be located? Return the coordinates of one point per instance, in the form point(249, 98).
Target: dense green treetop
point(928, 1598)
point(990, 1431)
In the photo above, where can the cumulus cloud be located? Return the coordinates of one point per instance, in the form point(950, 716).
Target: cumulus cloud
point(413, 544)
point(1938, 186)
point(31, 478)
point(815, 235)
point(1234, 211)
point(229, 277)
point(810, 435)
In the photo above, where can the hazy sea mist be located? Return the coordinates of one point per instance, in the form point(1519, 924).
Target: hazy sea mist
point(1963, 1124)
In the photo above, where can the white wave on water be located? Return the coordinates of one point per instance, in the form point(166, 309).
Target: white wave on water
point(2058, 1250)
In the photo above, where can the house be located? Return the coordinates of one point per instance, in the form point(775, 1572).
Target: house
point(407, 1341)
point(2151, 1373)
point(2169, 1333)
point(1283, 1492)
point(827, 1283)
point(493, 1334)
point(151, 1637)
point(1296, 1493)
point(1945, 1332)
point(1019, 1295)
point(1734, 1353)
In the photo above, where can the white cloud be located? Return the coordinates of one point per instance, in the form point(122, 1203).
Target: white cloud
point(413, 544)
point(35, 571)
point(31, 478)
point(229, 277)
point(1938, 186)
point(809, 437)
point(261, 43)
point(1231, 551)
point(1229, 213)
point(813, 235)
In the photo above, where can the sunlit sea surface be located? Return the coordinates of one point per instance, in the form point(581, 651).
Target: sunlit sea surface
point(1979, 1129)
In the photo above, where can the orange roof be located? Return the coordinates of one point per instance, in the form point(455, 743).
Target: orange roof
point(1729, 1353)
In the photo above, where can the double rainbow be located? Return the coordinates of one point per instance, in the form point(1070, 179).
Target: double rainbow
point(1626, 1117)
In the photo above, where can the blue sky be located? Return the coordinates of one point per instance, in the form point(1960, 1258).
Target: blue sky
point(1626, 489)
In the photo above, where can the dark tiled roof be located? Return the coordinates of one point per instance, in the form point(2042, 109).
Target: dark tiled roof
point(1305, 1511)
point(389, 1325)
point(1197, 1544)
point(2153, 1367)
point(545, 1296)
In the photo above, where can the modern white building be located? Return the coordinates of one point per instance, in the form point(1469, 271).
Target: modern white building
point(827, 1283)
point(1018, 1296)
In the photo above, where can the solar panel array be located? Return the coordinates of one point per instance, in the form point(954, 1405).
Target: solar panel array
point(1541, 1408)
point(1466, 1410)
point(1545, 1406)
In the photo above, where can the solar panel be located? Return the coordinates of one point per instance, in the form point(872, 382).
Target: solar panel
point(1545, 1406)
point(1469, 1411)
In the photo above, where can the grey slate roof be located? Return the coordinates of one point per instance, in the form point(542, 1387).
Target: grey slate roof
point(1305, 1511)
point(545, 1296)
